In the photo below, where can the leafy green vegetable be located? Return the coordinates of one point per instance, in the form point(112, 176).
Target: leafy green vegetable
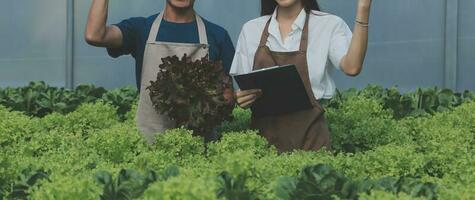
point(362, 124)
point(130, 184)
point(70, 187)
point(323, 182)
point(122, 98)
point(27, 179)
point(379, 156)
point(38, 99)
point(192, 93)
point(233, 188)
point(421, 102)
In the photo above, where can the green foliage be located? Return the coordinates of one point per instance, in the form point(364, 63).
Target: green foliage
point(192, 93)
point(233, 188)
point(240, 122)
point(35, 99)
point(378, 156)
point(388, 160)
point(130, 184)
point(317, 182)
point(8, 173)
point(362, 124)
point(38, 99)
point(391, 99)
point(434, 100)
point(87, 119)
point(122, 98)
point(118, 144)
point(453, 188)
point(67, 188)
point(130, 115)
point(378, 195)
point(179, 144)
point(323, 182)
point(174, 147)
point(183, 188)
point(14, 128)
point(447, 139)
point(27, 179)
point(421, 102)
point(246, 141)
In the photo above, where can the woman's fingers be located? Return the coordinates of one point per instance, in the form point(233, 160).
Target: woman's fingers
point(247, 104)
point(247, 92)
point(259, 93)
point(245, 99)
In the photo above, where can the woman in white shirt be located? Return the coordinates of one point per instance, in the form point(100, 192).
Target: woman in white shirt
point(296, 32)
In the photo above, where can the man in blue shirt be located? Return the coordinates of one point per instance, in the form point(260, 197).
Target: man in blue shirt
point(130, 35)
point(177, 30)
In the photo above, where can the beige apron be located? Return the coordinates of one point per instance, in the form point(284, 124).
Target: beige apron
point(150, 122)
point(302, 130)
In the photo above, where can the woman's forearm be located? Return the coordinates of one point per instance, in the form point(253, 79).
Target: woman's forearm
point(352, 62)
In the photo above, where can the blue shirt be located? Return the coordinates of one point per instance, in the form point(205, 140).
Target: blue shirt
point(135, 33)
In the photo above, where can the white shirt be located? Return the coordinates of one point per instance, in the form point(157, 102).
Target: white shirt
point(329, 40)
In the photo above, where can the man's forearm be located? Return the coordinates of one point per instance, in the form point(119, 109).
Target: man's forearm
point(97, 32)
point(96, 21)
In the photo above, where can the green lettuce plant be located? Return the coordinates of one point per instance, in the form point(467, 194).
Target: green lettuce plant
point(195, 94)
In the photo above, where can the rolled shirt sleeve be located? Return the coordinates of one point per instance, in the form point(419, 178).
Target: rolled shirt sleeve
point(130, 31)
point(241, 63)
point(340, 43)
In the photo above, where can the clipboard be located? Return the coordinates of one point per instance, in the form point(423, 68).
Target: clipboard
point(282, 88)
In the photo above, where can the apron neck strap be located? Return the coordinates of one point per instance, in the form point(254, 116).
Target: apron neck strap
point(265, 34)
point(303, 40)
point(152, 37)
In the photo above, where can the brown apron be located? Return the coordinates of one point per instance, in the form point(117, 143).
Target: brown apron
point(149, 122)
point(302, 130)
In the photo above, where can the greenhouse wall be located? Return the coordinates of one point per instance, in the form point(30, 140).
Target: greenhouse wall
point(413, 44)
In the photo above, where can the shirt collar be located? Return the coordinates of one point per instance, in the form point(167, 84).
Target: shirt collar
point(299, 23)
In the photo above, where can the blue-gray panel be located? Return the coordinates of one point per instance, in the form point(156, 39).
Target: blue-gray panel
point(406, 43)
point(33, 41)
point(466, 58)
